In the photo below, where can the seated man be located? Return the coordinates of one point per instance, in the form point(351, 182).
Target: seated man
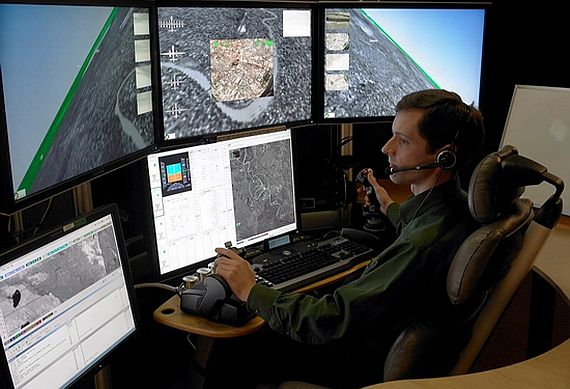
point(434, 134)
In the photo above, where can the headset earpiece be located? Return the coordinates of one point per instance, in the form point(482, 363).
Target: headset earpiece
point(446, 159)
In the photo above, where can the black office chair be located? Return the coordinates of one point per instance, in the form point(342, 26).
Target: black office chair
point(485, 272)
point(486, 269)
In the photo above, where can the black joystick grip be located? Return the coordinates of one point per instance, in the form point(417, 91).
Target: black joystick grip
point(206, 297)
point(362, 177)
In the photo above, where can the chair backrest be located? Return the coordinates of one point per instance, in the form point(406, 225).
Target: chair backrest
point(486, 269)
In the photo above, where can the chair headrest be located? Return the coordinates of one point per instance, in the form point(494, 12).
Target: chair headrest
point(492, 246)
point(490, 190)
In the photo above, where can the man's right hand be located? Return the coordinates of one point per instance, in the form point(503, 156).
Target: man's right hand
point(236, 271)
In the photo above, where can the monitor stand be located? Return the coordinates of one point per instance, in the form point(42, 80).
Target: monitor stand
point(82, 198)
point(103, 378)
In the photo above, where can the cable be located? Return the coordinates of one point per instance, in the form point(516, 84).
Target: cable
point(157, 285)
point(425, 198)
point(345, 140)
point(203, 371)
point(25, 233)
point(330, 233)
point(42, 220)
point(188, 336)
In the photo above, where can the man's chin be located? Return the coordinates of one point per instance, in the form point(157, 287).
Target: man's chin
point(396, 178)
point(399, 178)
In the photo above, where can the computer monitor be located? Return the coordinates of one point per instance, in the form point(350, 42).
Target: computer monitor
point(228, 68)
point(77, 94)
point(239, 190)
point(67, 302)
point(373, 54)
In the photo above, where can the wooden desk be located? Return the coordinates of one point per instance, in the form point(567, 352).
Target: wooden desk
point(170, 315)
point(553, 262)
point(549, 370)
point(551, 277)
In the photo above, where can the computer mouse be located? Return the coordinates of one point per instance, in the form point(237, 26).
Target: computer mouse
point(205, 298)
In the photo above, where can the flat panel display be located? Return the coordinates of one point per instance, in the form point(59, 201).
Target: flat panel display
point(77, 92)
point(373, 55)
point(228, 68)
point(66, 303)
point(239, 190)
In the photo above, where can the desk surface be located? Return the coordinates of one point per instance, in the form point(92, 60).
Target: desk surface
point(170, 314)
point(553, 263)
point(549, 370)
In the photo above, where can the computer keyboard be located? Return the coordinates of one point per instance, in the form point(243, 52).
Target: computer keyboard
point(305, 262)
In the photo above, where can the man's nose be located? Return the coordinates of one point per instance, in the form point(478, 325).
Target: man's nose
point(387, 148)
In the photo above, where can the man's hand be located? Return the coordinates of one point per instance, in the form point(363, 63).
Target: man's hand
point(382, 195)
point(236, 271)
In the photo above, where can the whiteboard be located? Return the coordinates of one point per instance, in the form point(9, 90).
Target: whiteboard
point(538, 125)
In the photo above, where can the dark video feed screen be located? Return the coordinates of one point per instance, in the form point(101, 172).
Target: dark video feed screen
point(77, 89)
point(227, 69)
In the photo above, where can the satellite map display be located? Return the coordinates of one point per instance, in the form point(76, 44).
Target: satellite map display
point(373, 57)
point(262, 188)
point(226, 69)
point(32, 293)
point(77, 93)
point(241, 69)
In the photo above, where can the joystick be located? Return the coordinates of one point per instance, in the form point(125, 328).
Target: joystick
point(211, 297)
point(374, 221)
point(204, 298)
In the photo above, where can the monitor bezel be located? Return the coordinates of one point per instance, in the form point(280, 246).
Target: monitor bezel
point(163, 143)
point(324, 5)
point(8, 204)
point(174, 277)
point(58, 232)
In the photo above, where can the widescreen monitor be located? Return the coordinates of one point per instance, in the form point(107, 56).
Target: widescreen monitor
point(77, 94)
point(373, 54)
point(239, 190)
point(67, 303)
point(229, 68)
